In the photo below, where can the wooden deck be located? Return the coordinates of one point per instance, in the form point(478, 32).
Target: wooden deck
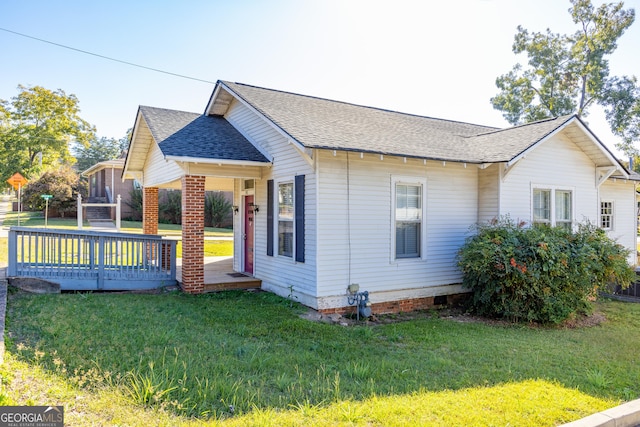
point(219, 275)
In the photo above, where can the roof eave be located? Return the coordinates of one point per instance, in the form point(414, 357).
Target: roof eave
point(134, 132)
point(187, 159)
point(99, 166)
point(213, 97)
point(531, 147)
point(408, 156)
point(620, 167)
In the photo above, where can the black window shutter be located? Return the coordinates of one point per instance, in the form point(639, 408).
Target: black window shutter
point(270, 217)
point(299, 210)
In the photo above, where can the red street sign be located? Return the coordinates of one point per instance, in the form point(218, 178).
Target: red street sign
point(17, 180)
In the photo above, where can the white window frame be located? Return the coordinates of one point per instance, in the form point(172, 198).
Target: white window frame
point(610, 215)
point(552, 213)
point(412, 181)
point(277, 218)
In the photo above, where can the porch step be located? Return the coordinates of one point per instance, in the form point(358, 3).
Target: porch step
point(231, 286)
point(98, 212)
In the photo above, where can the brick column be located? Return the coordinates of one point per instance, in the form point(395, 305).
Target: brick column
point(150, 210)
point(193, 234)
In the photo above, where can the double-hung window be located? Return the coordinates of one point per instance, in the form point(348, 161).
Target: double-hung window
point(553, 207)
point(408, 219)
point(285, 219)
point(606, 215)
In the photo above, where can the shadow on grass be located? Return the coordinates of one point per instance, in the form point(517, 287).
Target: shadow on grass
point(251, 353)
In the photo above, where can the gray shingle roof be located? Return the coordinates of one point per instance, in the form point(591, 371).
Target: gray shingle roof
point(321, 123)
point(505, 144)
point(184, 134)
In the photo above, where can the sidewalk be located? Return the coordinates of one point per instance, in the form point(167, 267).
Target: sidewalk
point(5, 206)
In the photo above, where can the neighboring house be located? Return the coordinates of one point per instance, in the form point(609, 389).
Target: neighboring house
point(106, 183)
point(331, 194)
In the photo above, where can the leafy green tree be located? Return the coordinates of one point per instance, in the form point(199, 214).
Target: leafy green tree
point(98, 150)
point(63, 184)
point(37, 128)
point(124, 141)
point(567, 74)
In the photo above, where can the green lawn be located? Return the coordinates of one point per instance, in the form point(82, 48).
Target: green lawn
point(36, 219)
point(211, 248)
point(175, 359)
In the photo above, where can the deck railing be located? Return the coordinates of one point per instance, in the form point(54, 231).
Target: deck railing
point(91, 260)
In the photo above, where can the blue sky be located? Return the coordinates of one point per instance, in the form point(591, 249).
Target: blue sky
point(433, 58)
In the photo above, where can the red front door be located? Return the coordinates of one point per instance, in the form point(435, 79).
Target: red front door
point(248, 234)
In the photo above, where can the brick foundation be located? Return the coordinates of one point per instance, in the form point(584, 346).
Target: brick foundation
point(193, 234)
point(403, 306)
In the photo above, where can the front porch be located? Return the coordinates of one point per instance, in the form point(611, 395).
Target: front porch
point(197, 153)
point(220, 276)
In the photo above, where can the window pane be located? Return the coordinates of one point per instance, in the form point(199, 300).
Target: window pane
point(606, 215)
point(542, 206)
point(407, 239)
point(285, 201)
point(285, 238)
point(408, 202)
point(563, 205)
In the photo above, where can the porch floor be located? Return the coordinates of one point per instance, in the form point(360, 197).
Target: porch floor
point(220, 276)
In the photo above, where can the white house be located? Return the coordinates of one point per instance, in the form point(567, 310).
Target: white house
point(331, 194)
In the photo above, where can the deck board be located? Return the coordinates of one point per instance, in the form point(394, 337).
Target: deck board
point(220, 276)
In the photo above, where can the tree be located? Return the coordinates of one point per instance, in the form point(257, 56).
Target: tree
point(63, 184)
point(98, 150)
point(37, 128)
point(567, 74)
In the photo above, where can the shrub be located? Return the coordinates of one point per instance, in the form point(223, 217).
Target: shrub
point(217, 209)
point(171, 207)
point(63, 184)
point(539, 274)
point(135, 203)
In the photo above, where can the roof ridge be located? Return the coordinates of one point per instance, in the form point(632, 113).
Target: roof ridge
point(168, 109)
point(566, 116)
point(358, 105)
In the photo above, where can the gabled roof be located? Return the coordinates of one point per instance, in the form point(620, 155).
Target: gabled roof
point(321, 123)
point(502, 145)
point(325, 124)
point(107, 164)
point(181, 134)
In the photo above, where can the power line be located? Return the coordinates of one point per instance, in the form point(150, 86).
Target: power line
point(106, 57)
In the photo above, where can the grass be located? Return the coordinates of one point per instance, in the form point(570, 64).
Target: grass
point(239, 358)
point(36, 219)
point(212, 247)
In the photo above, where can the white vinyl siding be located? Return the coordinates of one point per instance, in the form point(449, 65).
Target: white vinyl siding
point(356, 224)
point(488, 193)
point(556, 164)
point(622, 195)
point(279, 274)
point(157, 171)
